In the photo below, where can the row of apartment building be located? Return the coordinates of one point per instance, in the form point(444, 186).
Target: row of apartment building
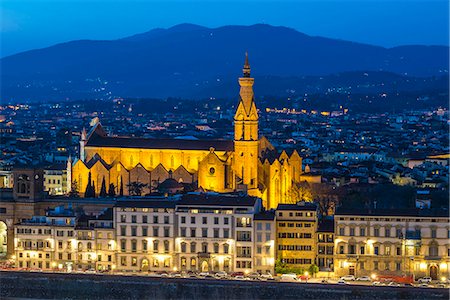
point(233, 233)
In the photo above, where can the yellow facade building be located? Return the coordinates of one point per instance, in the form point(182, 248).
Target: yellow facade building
point(248, 163)
point(296, 234)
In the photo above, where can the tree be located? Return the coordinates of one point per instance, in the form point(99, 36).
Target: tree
point(93, 189)
point(103, 188)
point(136, 188)
point(111, 190)
point(313, 269)
point(304, 192)
point(74, 190)
point(121, 187)
point(88, 191)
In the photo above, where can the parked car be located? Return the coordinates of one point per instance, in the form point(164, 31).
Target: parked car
point(221, 274)
point(424, 285)
point(254, 275)
point(363, 278)
point(342, 281)
point(348, 278)
point(375, 283)
point(424, 280)
point(239, 277)
point(237, 274)
point(393, 283)
point(289, 277)
point(324, 280)
point(266, 276)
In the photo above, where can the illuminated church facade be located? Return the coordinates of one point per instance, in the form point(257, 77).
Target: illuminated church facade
point(248, 163)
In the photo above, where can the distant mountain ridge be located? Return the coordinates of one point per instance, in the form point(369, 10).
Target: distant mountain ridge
point(187, 59)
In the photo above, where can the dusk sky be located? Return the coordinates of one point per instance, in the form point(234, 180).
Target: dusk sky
point(29, 24)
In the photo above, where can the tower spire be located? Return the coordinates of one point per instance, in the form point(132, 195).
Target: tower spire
point(246, 69)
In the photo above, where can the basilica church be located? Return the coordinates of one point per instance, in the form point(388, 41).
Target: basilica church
point(248, 163)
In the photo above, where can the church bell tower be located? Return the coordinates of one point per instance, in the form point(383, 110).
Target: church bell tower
point(246, 134)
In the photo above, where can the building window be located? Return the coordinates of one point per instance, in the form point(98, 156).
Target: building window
point(204, 220)
point(259, 237)
point(216, 233)
point(192, 220)
point(362, 250)
point(376, 232)
point(258, 226)
point(387, 232)
point(225, 220)
point(133, 219)
point(362, 232)
point(166, 246)
point(243, 236)
point(133, 231)
point(144, 219)
point(123, 218)
point(341, 231)
point(144, 245)
point(155, 246)
point(268, 227)
point(205, 247)
point(433, 233)
point(155, 219)
point(204, 232)
point(226, 233)
point(375, 250)
point(361, 265)
point(183, 231)
point(352, 231)
point(123, 245)
point(123, 230)
point(133, 245)
point(166, 219)
point(398, 266)
point(193, 232)
point(144, 231)
point(183, 220)
point(341, 249)
point(193, 263)
point(156, 231)
point(375, 265)
point(216, 220)
point(387, 250)
point(399, 251)
point(226, 248)
point(183, 247)
point(216, 248)
point(166, 232)
point(193, 247)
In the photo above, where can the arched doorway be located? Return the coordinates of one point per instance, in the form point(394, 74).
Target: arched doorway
point(205, 267)
point(434, 272)
point(3, 239)
point(144, 265)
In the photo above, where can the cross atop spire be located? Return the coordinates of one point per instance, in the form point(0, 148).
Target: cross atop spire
point(246, 69)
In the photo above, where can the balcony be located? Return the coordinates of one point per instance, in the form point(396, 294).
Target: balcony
point(433, 257)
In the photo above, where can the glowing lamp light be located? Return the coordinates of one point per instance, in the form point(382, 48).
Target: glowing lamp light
point(306, 273)
point(423, 266)
point(443, 278)
point(373, 276)
point(345, 264)
point(54, 264)
point(60, 266)
point(246, 271)
point(175, 269)
point(443, 266)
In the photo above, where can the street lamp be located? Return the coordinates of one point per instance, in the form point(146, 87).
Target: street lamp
point(306, 275)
